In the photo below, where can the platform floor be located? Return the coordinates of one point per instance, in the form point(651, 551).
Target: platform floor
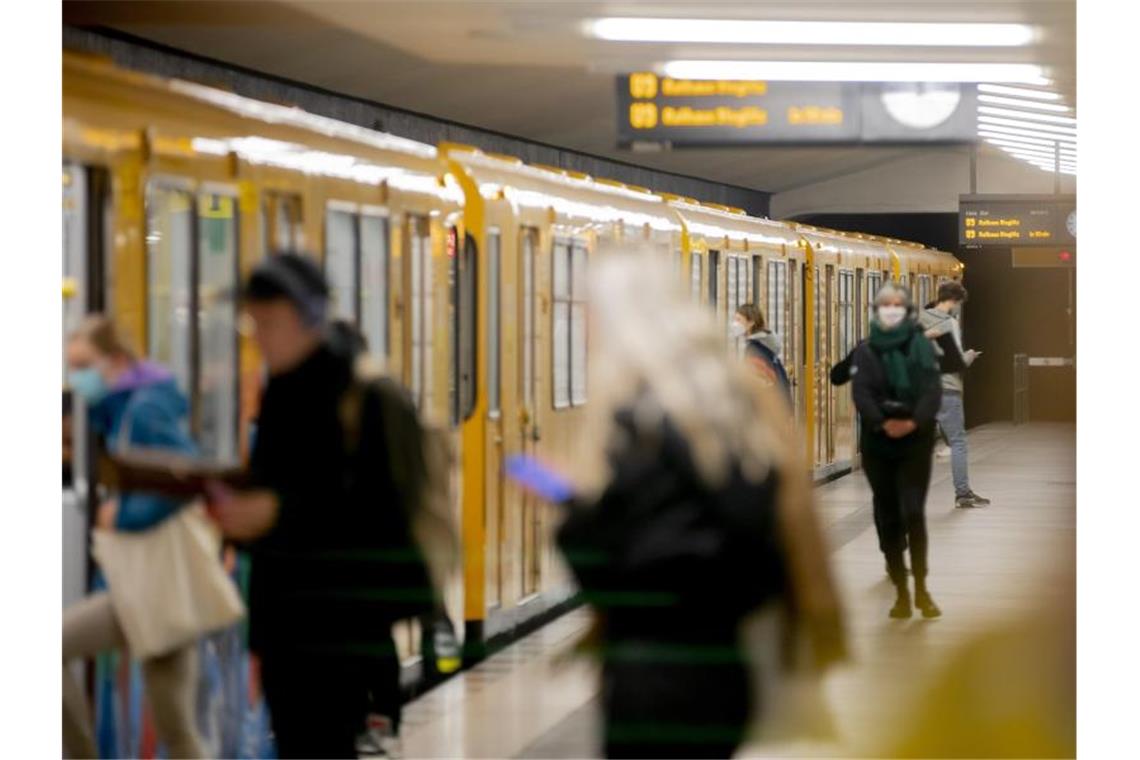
point(534, 699)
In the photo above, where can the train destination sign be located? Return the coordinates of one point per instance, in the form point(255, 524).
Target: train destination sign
point(660, 111)
point(1028, 220)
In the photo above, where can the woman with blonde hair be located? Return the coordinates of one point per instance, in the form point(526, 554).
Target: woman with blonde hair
point(691, 512)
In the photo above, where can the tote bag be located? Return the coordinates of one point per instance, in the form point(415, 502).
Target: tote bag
point(167, 584)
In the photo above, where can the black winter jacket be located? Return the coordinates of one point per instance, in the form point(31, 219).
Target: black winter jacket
point(872, 395)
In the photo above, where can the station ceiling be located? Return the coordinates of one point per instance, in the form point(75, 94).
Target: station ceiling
point(527, 69)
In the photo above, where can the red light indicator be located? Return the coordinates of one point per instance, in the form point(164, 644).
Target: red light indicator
point(1065, 256)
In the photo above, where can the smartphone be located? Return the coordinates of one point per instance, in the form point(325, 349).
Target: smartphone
point(537, 478)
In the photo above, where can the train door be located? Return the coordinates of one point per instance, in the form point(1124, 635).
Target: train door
point(85, 196)
point(419, 329)
point(846, 323)
point(527, 326)
point(777, 310)
point(493, 457)
point(714, 281)
point(796, 336)
point(824, 412)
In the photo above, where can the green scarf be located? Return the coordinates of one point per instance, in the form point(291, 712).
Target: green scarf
point(907, 356)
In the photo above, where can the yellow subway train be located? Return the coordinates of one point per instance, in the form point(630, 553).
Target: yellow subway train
point(464, 270)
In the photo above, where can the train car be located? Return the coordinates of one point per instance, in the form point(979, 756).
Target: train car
point(538, 228)
point(730, 258)
point(173, 191)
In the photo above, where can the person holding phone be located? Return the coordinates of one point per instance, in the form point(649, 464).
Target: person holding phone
point(897, 393)
point(673, 526)
point(940, 322)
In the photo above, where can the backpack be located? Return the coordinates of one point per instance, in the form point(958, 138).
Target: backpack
point(418, 460)
point(757, 348)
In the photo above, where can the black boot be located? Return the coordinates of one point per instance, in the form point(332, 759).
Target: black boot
point(901, 610)
point(924, 601)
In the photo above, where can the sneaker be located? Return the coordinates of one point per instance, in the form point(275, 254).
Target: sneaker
point(942, 452)
point(967, 502)
point(901, 609)
point(378, 739)
point(979, 501)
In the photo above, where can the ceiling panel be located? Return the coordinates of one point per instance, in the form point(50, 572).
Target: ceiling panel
point(523, 68)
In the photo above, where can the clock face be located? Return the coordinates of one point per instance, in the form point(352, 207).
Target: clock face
point(1071, 223)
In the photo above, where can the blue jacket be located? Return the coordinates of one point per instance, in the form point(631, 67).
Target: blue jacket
point(759, 348)
point(147, 400)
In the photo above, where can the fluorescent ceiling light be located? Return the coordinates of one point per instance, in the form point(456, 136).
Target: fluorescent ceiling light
point(1018, 92)
point(1001, 101)
point(855, 71)
point(1002, 130)
point(1016, 123)
point(997, 138)
point(1045, 117)
point(1044, 150)
point(745, 31)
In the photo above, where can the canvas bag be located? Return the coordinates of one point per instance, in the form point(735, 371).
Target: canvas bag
point(167, 584)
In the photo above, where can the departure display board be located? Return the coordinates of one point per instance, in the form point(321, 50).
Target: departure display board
point(677, 113)
point(1017, 220)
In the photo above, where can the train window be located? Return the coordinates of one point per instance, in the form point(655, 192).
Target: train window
point(217, 326)
point(776, 316)
point(341, 262)
point(732, 303)
point(820, 313)
point(874, 282)
point(846, 304)
point(169, 239)
point(695, 274)
point(578, 264)
point(561, 327)
point(374, 283)
point(714, 274)
point(494, 322)
point(466, 316)
point(419, 248)
point(757, 280)
point(281, 223)
point(528, 319)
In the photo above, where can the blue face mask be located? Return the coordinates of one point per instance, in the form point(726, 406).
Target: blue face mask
point(88, 383)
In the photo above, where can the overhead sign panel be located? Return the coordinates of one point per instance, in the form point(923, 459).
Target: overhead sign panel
point(1017, 220)
point(710, 112)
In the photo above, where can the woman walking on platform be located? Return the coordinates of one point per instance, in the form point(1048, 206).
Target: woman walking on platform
point(897, 392)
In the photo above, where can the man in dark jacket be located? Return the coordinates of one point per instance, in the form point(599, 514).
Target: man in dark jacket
point(331, 571)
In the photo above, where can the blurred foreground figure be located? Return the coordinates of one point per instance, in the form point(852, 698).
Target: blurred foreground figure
point(1010, 692)
point(334, 562)
point(132, 404)
point(897, 392)
point(691, 513)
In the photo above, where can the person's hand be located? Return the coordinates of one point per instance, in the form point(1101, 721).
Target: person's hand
point(932, 333)
point(971, 354)
point(899, 428)
point(244, 517)
point(106, 513)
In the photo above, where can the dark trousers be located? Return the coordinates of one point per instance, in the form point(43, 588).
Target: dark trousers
point(316, 703)
point(899, 481)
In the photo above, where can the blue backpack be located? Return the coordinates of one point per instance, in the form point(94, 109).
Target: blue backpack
point(756, 348)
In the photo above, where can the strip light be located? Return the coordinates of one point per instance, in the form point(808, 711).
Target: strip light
point(1034, 141)
point(1001, 101)
point(1003, 130)
point(1015, 123)
point(1044, 150)
point(1045, 117)
point(754, 32)
point(1018, 92)
point(855, 71)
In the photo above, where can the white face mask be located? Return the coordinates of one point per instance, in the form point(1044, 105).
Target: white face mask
point(891, 316)
point(737, 330)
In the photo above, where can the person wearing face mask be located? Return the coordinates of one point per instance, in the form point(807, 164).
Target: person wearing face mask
point(940, 321)
point(761, 345)
point(897, 392)
point(131, 404)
